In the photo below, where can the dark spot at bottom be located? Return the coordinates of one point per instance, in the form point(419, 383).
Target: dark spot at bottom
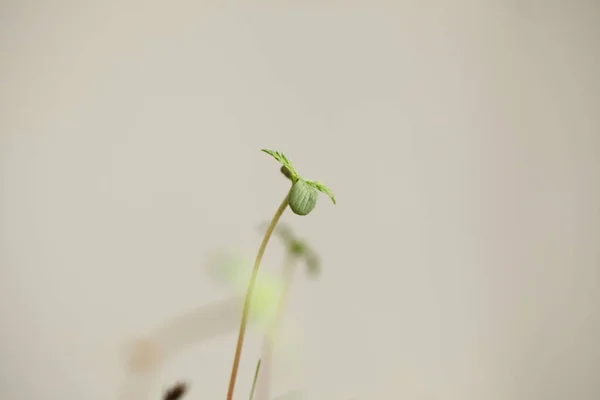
point(176, 392)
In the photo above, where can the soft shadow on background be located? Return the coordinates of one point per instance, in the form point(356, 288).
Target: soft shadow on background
point(461, 138)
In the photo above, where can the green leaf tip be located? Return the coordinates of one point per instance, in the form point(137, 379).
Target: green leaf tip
point(290, 172)
point(321, 187)
point(293, 175)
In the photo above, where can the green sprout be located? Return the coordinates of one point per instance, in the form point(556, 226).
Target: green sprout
point(303, 195)
point(302, 198)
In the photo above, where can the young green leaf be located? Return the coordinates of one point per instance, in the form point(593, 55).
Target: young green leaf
point(321, 187)
point(293, 175)
point(290, 172)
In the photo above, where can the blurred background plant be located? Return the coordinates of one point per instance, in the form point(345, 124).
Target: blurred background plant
point(229, 268)
point(297, 250)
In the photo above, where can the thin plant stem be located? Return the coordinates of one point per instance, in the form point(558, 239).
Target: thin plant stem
point(289, 269)
point(249, 292)
point(255, 377)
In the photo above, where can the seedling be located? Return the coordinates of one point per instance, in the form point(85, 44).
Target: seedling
point(302, 199)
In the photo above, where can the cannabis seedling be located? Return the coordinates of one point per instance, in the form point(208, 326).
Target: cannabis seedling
point(302, 199)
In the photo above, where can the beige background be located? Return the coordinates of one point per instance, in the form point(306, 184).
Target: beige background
point(461, 138)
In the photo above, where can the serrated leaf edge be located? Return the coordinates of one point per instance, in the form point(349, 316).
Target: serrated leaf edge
point(283, 160)
point(321, 187)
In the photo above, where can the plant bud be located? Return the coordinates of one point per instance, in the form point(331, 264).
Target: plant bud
point(303, 198)
point(286, 172)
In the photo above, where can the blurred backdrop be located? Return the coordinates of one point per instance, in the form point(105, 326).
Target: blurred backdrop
point(460, 137)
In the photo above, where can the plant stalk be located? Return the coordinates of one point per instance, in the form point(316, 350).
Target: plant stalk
point(249, 292)
point(255, 378)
